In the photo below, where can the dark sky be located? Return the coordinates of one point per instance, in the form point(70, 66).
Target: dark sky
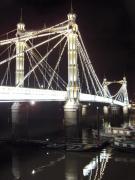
point(107, 28)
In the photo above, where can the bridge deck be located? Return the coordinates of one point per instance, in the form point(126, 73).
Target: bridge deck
point(14, 94)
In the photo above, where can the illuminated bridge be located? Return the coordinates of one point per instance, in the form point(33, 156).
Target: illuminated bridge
point(32, 64)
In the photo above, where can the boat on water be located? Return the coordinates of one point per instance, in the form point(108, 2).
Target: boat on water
point(109, 132)
point(125, 144)
point(80, 147)
point(56, 146)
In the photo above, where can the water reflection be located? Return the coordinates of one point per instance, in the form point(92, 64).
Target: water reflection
point(15, 166)
point(95, 169)
point(49, 164)
point(29, 163)
point(124, 158)
point(39, 164)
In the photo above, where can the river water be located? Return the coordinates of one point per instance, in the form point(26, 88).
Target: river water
point(27, 163)
point(39, 164)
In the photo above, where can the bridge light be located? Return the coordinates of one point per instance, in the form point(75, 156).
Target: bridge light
point(42, 86)
point(125, 109)
point(106, 110)
point(32, 103)
point(33, 172)
point(129, 106)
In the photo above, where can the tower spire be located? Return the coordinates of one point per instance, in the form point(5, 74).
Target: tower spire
point(21, 16)
point(71, 7)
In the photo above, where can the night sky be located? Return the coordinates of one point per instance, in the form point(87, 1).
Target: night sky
point(107, 28)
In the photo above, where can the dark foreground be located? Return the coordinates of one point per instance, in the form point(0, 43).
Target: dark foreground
point(40, 164)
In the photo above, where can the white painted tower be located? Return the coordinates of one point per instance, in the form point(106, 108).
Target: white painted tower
point(19, 110)
point(20, 46)
point(73, 85)
point(72, 103)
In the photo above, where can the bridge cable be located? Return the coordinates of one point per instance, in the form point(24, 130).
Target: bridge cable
point(57, 64)
point(87, 66)
point(40, 70)
point(34, 70)
point(34, 59)
point(49, 67)
point(9, 59)
point(5, 75)
point(35, 34)
point(80, 48)
point(90, 65)
point(85, 77)
point(40, 62)
point(8, 33)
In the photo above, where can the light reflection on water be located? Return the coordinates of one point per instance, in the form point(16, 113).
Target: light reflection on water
point(50, 163)
point(97, 164)
point(39, 164)
point(26, 164)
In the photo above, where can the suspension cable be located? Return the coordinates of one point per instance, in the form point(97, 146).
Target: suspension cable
point(48, 66)
point(90, 65)
point(9, 59)
point(35, 34)
point(43, 73)
point(58, 62)
point(85, 77)
point(34, 70)
point(40, 61)
point(8, 32)
point(6, 73)
point(87, 68)
point(34, 59)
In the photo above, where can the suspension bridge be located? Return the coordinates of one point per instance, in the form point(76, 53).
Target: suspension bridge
point(31, 64)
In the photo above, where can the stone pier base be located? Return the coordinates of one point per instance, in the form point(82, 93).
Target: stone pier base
point(19, 120)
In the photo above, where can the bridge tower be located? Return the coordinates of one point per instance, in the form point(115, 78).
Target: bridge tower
point(106, 94)
point(125, 95)
point(73, 88)
point(20, 46)
point(105, 87)
point(19, 110)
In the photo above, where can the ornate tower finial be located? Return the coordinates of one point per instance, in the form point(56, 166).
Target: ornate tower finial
point(20, 26)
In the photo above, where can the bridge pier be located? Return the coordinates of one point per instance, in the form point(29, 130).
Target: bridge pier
point(84, 110)
point(71, 113)
point(125, 110)
point(125, 115)
point(106, 112)
point(19, 120)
